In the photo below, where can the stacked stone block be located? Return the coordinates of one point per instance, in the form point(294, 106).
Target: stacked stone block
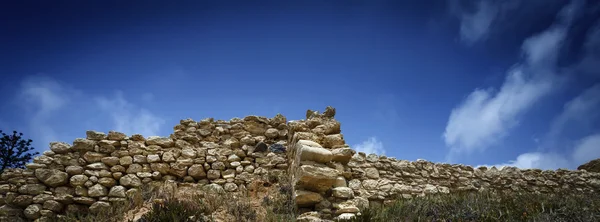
point(94, 172)
point(329, 179)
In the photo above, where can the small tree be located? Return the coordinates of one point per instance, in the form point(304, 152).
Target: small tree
point(14, 151)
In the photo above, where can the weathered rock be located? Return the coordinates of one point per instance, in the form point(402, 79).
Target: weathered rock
point(307, 198)
point(153, 158)
point(343, 192)
point(333, 140)
point(272, 133)
point(53, 205)
point(80, 144)
point(592, 166)
point(113, 135)
point(97, 166)
point(60, 148)
point(164, 142)
point(32, 189)
point(342, 155)
point(78, 180)
point(117, 191)
point(33, 211)
point(317, 179)
point(260, 147)
point(95, 135)
point(110, 161)
point(99, 206)
point(130, 180)
point(22, 200)
point(317, 154)
point(93, 157)
point(277, 148)
point(52, 177)
point(84, 200)
point(97, 191)
point(107, 181)
point(197, 171)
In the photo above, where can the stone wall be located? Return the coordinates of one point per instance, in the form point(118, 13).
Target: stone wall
point(329, 179)
point(104, 168)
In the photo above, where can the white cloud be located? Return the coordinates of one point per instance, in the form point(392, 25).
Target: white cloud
point(537, 160)
point(583, 151)
point(128, 118)
point(42, 98)
point(50, 106)
point(587, 149)
point(582, 109)
point(486, 116)
point(371, 145)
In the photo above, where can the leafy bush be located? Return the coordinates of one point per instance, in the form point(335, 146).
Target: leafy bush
point(487, 206)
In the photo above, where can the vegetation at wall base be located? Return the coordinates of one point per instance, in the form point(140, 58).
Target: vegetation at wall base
point(488, 206)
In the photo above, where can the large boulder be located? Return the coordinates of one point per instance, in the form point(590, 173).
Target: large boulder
point(318, 179)
point(52, 177)
point(592, 166)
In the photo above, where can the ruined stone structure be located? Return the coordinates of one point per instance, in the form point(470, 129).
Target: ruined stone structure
point(330, 180)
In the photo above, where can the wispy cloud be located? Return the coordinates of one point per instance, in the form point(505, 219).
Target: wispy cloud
point(49, 104)
point(583, 151)
point(371, 145)
point(129, 118)
point(486, 115)
point(42, 97)
point(581, 110)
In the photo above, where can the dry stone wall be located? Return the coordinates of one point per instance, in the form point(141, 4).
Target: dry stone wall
point(329, 179)
point(96, 171)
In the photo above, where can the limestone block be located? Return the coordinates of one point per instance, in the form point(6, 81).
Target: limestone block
point(95, 135)
point(333, 140)
point(197, 171)
point(317, 179)
point(110, 161)
point(53, 205)
point(306, 198)
point(164, 142)
point(81, 144)
point(97, 191)
point(52, 178)
point(130, 180)
point(317, 154)
point(60, 148)
point(33, 211)
point(114, 135)
point(32, 189)
point(99, 206)
point(343, 192)
point(342, 155)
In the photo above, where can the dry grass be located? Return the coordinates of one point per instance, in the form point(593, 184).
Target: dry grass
point(488, 206)
point(268, 201)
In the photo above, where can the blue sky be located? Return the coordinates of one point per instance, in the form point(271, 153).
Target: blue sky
point(472, 82)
